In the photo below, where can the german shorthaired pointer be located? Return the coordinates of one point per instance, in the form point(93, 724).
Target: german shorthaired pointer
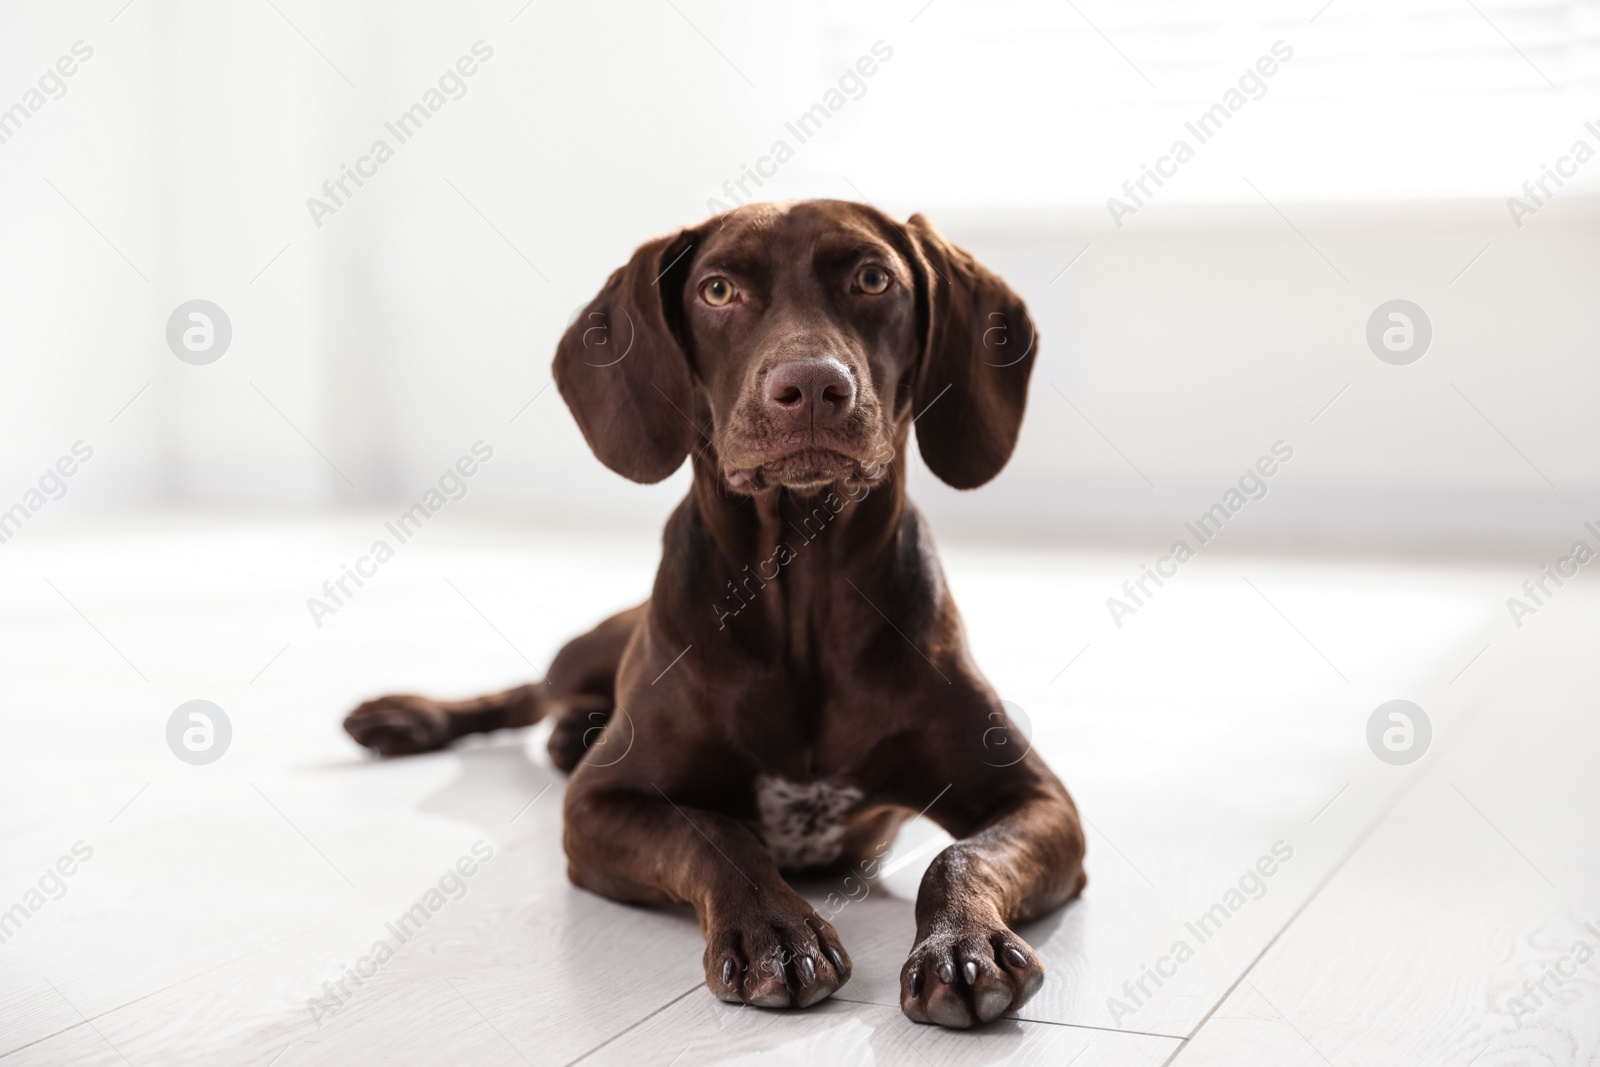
point(786, 350)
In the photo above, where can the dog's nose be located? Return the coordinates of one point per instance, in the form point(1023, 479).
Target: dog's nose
point(811, 392)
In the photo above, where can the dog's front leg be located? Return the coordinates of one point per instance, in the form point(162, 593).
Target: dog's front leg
point(1018, 862)
point(764, 944)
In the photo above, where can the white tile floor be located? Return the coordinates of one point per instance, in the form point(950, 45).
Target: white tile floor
point(1225, 717)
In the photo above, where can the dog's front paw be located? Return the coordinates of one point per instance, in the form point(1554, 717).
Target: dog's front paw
point(399, 725)
point(788, 958)
point(962, 973)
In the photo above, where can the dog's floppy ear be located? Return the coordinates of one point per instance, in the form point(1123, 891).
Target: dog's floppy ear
point(621, 366)
point(979, 347)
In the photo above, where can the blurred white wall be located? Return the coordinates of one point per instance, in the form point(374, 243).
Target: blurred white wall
point(1221, 316)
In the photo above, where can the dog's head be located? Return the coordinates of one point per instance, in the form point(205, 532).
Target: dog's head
point(794, 343)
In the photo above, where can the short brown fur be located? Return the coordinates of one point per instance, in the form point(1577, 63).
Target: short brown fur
point(823, 644)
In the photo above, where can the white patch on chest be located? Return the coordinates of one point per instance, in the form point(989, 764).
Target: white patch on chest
point(803, 823)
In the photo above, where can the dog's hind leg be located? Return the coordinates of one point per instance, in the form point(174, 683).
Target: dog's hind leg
point(579, 691)
point(583, 684)
point(402, 724)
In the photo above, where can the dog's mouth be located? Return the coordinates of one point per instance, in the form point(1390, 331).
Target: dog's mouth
point(804, 469)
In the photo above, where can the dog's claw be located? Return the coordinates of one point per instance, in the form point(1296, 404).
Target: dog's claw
point(998, 973)
point(791, 959)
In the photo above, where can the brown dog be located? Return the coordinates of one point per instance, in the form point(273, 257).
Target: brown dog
point(798, 684)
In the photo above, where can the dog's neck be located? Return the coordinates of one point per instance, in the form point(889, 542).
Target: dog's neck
point(848, 526)
point(779, 555)
point(851, 519)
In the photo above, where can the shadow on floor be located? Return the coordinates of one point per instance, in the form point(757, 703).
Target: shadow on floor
point(498, 786)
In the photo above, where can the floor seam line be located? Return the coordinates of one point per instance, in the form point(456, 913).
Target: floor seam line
point(154, 992)
point(1361, 840)
point(635, 1025)
point(1041, 1022)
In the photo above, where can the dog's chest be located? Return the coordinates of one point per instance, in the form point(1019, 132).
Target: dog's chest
point(803, 823)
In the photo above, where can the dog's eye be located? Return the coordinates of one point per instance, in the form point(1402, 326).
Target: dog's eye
point(872, 280)
point(716, 291)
